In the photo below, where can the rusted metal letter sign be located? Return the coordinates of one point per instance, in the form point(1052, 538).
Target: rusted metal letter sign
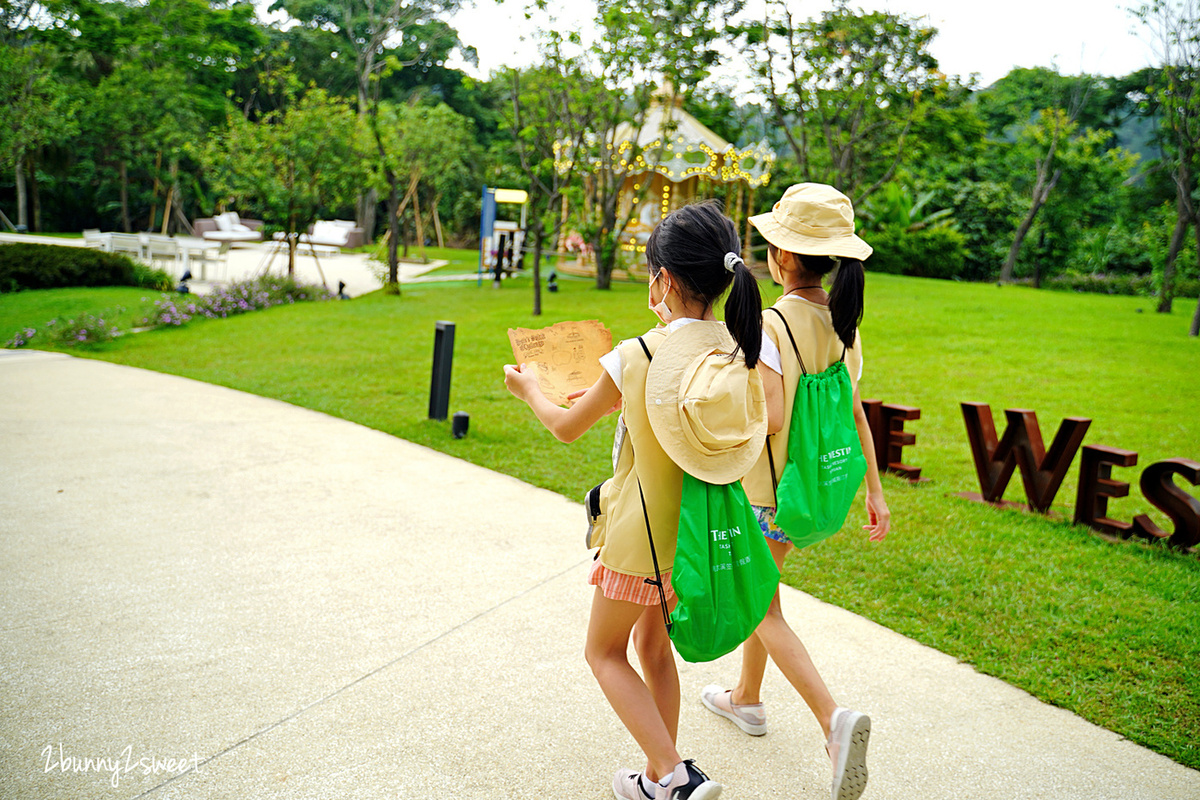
point(1042, 471)
point(1042, 474)
point(887, 430)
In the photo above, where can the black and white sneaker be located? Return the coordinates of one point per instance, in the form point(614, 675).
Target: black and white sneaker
point(689, 783)
point(627, 785)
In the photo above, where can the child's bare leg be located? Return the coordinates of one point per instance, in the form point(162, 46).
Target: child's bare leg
point(607, 654)
point(754, 654)
point(789, 655)
point(653, 647)
point(754, 664)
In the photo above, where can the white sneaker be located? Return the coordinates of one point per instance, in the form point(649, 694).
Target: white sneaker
point(849, 733)
point(627, 785)
point(750, 717)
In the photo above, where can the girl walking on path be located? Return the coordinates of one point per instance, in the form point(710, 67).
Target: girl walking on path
point(809, 233)
point(692, 256)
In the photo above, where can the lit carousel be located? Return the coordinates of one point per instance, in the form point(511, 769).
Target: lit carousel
point(670, 160)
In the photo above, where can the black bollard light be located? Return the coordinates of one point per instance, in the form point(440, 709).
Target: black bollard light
point(459, 424)
point(443, 357)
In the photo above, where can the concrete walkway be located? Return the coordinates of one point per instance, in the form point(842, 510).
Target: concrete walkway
point(215, 595)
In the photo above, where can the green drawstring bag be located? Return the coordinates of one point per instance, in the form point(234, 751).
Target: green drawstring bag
point(825, 462)
point(724, 576)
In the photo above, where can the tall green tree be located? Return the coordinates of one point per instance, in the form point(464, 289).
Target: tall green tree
point(35, 110)
point(1176, 27)
point(845, 88)
point(416, 147)
point(368, 28)
point(293, 165)
point(642, 44)
point(549, 110)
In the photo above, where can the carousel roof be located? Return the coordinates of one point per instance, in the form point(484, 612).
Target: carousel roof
point(673, 143)
point(669, 117)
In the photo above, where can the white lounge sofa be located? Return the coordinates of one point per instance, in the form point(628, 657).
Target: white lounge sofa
point(228, 227)
point(328, 236)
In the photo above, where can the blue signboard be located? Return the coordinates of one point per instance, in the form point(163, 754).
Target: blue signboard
point(487, 222)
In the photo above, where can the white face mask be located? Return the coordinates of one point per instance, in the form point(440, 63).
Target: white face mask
point(660, 308)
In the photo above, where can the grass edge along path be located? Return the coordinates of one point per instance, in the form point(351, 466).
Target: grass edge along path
point(1108, 631)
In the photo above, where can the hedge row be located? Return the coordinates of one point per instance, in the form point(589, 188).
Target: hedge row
point(924, 253)
point(1138, 285)
point(40, 266)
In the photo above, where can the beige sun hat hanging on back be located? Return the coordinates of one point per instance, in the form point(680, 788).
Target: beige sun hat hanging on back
point(707, 410)
point(813, 219)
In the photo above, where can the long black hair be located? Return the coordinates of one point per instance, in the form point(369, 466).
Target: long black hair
point(699, 245)
point(846, 293)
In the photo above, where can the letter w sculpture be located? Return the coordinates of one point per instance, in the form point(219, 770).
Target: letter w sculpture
point(1021, 447)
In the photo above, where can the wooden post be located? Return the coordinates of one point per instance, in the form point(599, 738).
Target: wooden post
point(437, 221)
point(154, 192)
point(562, 228)
point(746, 239)
point(420, 224)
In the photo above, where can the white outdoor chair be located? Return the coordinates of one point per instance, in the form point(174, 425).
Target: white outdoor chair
point(94, 239)
point(130, 243)
point(161, 249)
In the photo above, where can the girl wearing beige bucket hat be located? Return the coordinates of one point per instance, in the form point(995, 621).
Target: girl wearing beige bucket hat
point(693, 260)
point(809, 233)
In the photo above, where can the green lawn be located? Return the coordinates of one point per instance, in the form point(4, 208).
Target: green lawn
point(1109, 631)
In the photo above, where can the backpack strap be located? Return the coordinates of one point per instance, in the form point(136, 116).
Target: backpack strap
point(645, 349)
point(770, 455)
point(788, 328)
point(657, 581)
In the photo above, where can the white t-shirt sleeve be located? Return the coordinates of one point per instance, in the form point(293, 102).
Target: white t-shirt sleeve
point(613, 365)
point(769, 354)
point(858, 347)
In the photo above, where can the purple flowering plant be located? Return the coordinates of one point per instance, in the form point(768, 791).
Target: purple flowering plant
point(174, 310)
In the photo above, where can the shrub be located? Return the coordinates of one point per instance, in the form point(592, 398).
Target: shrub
point(1137, 285)
point(39, 266)
point(984, 214)
point(174, 310)
point(236, 298)
point(924, 253)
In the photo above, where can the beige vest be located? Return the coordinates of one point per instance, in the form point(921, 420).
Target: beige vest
point(626, 548)
point(819, 346)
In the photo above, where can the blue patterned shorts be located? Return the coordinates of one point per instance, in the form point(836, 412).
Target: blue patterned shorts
point(766, 520)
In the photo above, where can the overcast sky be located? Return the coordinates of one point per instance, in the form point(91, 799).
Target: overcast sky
point(988, 38)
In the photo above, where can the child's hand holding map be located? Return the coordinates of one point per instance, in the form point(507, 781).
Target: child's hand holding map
point(565, 356)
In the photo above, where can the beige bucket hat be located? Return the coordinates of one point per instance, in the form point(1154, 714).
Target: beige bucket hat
point(707, 411)
point(813, 219)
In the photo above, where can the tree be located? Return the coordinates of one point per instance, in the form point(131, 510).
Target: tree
point(1082, 168)
point(1176, 26)
point(548, 110)
point(845, 89)
point(293, 165)
point(416, 144)
point(640, 42)
point(369, 28)
point(1054, 126)
point(35, 110)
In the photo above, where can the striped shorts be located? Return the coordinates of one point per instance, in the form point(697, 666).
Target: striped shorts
point(630, 588)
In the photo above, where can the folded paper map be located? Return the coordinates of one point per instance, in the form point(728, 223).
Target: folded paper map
point(566, 355)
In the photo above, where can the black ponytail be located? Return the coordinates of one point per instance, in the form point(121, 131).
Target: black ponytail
point(743, 313)
point(846, 300)
point(845, 295)
point(699, 246)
